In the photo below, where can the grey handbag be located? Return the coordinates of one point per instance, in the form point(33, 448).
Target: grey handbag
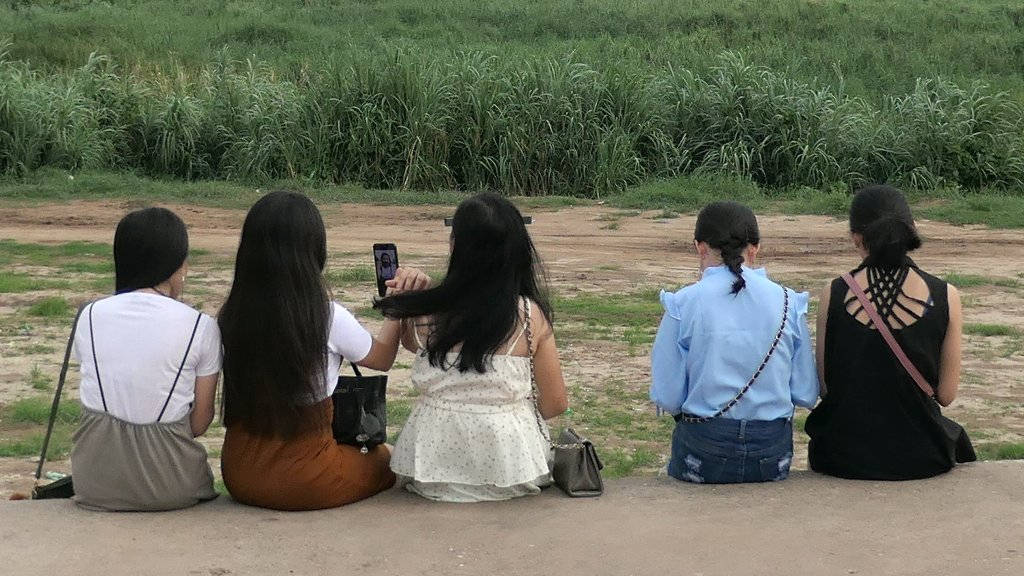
point(576, 468)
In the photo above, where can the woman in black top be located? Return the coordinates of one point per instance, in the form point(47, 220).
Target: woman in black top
point(874, 422)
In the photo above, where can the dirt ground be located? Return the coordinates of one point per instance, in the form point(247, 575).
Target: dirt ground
point(590, 249)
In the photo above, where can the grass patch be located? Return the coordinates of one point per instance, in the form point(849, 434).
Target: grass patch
point(619, 462)
point(351, 274)
point(1001, 451)
point(975, 280)
point(53, 307)
point(631, 318)
point(37, 411)
point(60, 445)
point(13, 282)
point(990, 330)
point(398, 412)
point(39, 381)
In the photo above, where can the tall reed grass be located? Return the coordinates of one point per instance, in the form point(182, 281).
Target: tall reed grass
point(530, 128)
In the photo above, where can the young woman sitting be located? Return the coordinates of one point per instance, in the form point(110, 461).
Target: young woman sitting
point(149, 366)
point(731, 359)
point(475, 434)
point(875, 421)
point(284, 342)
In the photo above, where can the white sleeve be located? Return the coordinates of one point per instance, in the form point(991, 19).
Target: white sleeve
point(348, 338)
point(209, 348)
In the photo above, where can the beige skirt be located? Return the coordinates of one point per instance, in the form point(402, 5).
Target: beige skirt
point(121, 466)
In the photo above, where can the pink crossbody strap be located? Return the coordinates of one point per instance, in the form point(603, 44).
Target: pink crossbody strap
point(883, 329)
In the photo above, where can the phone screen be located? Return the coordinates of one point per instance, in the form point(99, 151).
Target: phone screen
point(385, 263)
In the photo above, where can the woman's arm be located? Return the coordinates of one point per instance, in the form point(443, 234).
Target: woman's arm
point(668, 367)
point(202, 407)
point(819, 335)
point(552, 399)
point(385, 346)
point(949, 363)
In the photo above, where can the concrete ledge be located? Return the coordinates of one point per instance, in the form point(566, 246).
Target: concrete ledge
point(968, 522)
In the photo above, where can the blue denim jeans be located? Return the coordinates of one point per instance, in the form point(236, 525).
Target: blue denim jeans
point(725, 451)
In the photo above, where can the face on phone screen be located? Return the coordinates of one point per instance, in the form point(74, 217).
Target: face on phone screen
point(385, 259)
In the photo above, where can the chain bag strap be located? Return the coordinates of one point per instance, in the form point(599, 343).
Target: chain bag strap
point(576, 468)
point(757, 374)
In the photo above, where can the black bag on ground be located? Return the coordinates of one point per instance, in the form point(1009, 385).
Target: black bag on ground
point(360, 410)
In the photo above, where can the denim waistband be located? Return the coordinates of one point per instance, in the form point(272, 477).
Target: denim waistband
point(731, 425)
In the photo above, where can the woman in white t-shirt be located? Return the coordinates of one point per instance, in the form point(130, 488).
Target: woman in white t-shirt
point(284, 342)
point(149, 367)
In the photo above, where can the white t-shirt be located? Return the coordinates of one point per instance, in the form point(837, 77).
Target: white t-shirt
point(347, 339)
point(140, 339)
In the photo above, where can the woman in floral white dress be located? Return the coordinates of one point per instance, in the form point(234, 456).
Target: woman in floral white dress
point(474, 434)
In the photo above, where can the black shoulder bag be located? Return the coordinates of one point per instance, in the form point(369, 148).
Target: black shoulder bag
point(360, 410)
point(62, 488)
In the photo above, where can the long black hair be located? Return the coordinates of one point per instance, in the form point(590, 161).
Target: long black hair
point(275, 320)
point(149, 246)
point(728, 227)
point(881, 215)
point(493, 263)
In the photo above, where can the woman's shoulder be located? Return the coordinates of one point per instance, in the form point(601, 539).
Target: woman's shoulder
point(676, 303)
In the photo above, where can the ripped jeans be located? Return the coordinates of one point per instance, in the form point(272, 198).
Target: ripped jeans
point(725, 451)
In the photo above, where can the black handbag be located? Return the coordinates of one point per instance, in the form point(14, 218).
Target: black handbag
point(360, 410)
point(63, 488)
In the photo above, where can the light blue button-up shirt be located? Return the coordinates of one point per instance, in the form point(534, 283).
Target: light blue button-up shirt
point(710, 342)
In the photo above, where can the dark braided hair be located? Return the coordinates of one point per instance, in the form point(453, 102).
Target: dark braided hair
point(881, 216)
point(728, 227)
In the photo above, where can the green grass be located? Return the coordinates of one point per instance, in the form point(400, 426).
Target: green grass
point(869, 47)
point(534, 126)
point(630, 318)
point(398, 412)
point(684, 194)
point(37, 411)
point(974, 280)
point(991, 330)
point(52, 307)
point(1001, 451)
point(13, 282)
point(351, 274)
point(619, 462)
point(39, 381)
point(31, 445)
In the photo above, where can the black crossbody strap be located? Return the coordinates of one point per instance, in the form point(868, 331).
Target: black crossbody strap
point(181, 366)
point(767, 357)
point(60, 388)
point(95, 362)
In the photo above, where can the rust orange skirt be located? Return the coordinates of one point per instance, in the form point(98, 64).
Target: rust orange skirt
point(308, 472)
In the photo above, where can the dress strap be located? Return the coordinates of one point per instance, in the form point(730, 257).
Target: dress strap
point(95, 362)
point(416, 335)
point(180, 366)
point(526, 308)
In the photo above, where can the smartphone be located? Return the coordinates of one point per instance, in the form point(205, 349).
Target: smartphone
point(385, 263)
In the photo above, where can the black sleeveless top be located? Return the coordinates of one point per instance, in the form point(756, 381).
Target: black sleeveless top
point(874, 422)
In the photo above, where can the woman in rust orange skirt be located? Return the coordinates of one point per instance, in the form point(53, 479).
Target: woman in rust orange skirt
point(284, 342)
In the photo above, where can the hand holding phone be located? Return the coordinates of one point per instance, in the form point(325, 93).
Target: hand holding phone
point(385, 264)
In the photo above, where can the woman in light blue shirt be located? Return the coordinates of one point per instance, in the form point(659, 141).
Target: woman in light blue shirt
point(728, 363)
